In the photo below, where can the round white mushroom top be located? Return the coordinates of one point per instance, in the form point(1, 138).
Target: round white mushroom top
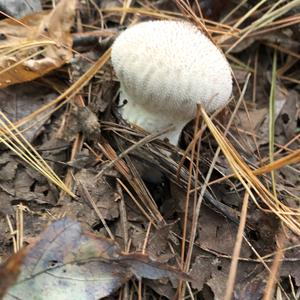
point(169, 67)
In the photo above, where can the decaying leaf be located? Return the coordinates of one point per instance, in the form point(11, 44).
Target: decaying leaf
point(36, 44)
point(103, 196)
point(69, 263)
point(217, 234)
point(19, 101)
point(10, 270)
point(213, 271)
point(155, 213)
point(20, 8)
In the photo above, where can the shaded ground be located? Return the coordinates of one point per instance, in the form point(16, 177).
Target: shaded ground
point(139, 199)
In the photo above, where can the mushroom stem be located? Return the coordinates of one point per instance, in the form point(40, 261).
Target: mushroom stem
point(148, 119)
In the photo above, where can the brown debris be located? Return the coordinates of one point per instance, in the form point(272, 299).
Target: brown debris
point(129, 189)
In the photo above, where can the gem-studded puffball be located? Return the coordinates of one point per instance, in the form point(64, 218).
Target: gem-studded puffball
point(165, 68)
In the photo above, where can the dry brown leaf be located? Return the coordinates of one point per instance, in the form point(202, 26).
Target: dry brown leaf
point(68, 262)
point(17, 102)
point(36, 44)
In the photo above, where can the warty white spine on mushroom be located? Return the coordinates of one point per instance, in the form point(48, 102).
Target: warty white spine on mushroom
point(165, 68)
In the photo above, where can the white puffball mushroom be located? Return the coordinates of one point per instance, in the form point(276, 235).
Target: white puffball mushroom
point(165, 68)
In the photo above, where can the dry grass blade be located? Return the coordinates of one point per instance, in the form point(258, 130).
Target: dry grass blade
point(85, 194)
point(62, 99)
point(188, 11)
point(269, 290)
point(12, 138)
point(279, 24)
point(13, 234)
point(12, 66)
point(143, 211)
point(237, 249)
point(209, 27)
point(143, 141)
point(273, 14)
point(234, 10)
point(289, 216)
point(198, 204)
point(147, 204)
point(70, 92)
point(143, 11)
point(21, 59)
point(272, 120)
point(287, 160)
point(249, 13)
point(11, 49)
point(266, 20)
point(126, 4)
point(189, 186)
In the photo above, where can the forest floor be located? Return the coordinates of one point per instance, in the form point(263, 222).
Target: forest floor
point(82, 217)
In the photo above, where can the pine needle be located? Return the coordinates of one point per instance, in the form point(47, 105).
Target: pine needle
point(13, 139)
point(289, 216)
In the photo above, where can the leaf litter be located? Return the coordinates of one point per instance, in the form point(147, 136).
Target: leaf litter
point(111, 170)
point(68, 261)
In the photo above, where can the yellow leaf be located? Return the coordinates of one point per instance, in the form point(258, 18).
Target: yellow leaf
point(36, 44)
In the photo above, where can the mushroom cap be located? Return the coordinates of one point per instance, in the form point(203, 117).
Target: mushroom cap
point(169, 67)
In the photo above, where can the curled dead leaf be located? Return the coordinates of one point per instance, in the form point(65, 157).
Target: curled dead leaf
point(68, 263)
point(36, 44)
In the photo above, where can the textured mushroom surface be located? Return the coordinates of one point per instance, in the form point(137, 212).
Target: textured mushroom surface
point(165, 68)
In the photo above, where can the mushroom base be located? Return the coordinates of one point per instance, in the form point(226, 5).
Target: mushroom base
point(151, 121)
